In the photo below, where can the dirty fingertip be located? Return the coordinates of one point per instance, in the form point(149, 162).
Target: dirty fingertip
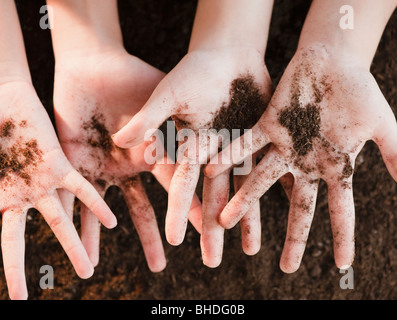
point(287, 267)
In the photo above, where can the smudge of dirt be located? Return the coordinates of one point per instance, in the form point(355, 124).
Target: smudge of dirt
point(179, 123)
point(347, 171)
point(6, 129)
point(246, 106)
point(98, 135)
point(101, 183)
point(303, 122)
point(303, 125)
point(20, 157)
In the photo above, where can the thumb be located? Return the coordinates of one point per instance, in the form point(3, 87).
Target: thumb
point(152, 115)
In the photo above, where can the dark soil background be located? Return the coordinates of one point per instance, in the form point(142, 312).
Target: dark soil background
point(158, 32)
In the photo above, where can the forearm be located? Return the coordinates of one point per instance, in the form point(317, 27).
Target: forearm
point(13, 62)
point(225, 23)
point(322, 25)
point(85, 27)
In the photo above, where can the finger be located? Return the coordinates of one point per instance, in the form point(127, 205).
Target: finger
point(164, 172)
point(303, 204)
point(155, 112)
point(180, 197)
point(13, 249)
point(144, 219)
point(250, 223)
point(63, 228)
point(83, 190)
point(237, 151)
point(91, 229)
point(265, 174)
point(67, 199)
point(90, 234)
point(342, 215)
point(215, 197)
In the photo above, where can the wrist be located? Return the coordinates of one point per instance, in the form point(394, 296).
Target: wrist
point(359, 44)
point(78, 61)
point(231, 23)
point(11, 71)
point(230, 55)
point(85, 27)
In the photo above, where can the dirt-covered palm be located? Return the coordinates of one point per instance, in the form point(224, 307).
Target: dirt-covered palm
point(218, 89)
point(321, 115)
point(32, 168)
point(94, 97)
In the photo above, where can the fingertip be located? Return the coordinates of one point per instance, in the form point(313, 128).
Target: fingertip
point(174, 240)
point(86, 273)
point(343, 262)
point(18, 292)
point(18, 296)
point(212, 249)
point(226, 222)
point(107, 217)
point(251, 249)
point(212, 263)
point(211, 255)
point(209, 171)
point(112, 222)
point(175, 228)
point(288, 267)
point(94, 258)
point(158, 266)
point(123, 140)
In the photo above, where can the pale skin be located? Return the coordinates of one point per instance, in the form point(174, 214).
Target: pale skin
point(33, 165)
point(98, 88)
point(328, 82)
point(228, 42)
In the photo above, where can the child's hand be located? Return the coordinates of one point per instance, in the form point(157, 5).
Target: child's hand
point(213, 89)
point(321, 115)
point(32, 168)
point(94, 97)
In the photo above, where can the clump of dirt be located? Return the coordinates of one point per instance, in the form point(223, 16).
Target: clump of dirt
point(348, 170)
point(19, 157)
point(179, 123)
point(6, 129)
point(303, 125)
point(98, 135)
point(245, 107)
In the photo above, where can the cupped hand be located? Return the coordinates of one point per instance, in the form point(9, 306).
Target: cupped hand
point(32, 168)
point(323, 111)
point(94, 97)
point(208, 94)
